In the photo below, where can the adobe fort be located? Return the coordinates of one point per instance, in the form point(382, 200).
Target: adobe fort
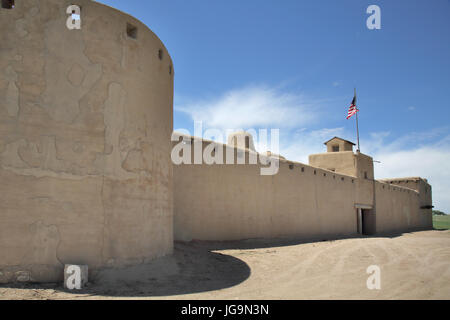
point(86, 120)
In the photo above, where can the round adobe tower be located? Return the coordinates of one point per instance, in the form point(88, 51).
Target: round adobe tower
point(85, 123)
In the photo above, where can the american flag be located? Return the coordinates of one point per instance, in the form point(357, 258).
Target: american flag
point(353, 109)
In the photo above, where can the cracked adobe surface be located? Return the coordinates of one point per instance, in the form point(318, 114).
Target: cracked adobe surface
point(85, 126)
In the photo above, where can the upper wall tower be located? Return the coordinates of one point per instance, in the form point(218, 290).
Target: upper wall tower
point(341, 159)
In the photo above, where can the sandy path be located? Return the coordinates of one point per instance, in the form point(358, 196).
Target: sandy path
point(413, 266)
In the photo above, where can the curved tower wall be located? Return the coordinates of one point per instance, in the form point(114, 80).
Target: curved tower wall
point(85, 126)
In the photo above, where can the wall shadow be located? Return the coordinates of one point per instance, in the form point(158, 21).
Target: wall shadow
point(260, 243)
point(193, 268)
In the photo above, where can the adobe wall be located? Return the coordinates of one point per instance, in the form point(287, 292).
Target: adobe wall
point(399, 208)
point(85, 126)
point(418, 184)
point(342, 162)
point(233, 202)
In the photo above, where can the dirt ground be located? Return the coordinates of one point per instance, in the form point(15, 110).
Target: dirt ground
point(413, 266)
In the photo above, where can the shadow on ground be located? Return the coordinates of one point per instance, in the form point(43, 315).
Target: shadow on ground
point(282, 242)
point(193, 268)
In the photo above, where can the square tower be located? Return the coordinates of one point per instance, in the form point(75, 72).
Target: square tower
point(340, 158)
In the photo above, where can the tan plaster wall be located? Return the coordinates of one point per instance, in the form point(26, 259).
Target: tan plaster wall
point(419, 193)
point(364, 166)
point(232, 202)
point(85, 126)
point(345, 162)
point(398, 209)
point(415, 183)
point(341, 162)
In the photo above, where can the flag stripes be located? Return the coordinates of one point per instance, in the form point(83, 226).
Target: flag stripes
point(353, 109)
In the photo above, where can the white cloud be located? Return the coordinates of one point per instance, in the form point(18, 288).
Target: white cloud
point(253, 107)
point(299, 145)
point(428, 162)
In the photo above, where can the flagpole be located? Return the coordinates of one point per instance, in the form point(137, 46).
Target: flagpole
point(357, 131)
point(357, 125)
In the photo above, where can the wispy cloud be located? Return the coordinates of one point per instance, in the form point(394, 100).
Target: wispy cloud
point(336, 83)
point(431, 162)
point(300, 144)
point(253, 107)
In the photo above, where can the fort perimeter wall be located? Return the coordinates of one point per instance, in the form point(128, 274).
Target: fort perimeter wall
point(234, 202)
point(400, 206)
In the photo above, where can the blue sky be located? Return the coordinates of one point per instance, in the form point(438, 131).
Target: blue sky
point(293, 64)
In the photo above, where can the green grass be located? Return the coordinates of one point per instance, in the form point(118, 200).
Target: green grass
point(441, 222)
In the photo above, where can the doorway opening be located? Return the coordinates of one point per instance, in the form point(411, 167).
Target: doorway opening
point(366, 221)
